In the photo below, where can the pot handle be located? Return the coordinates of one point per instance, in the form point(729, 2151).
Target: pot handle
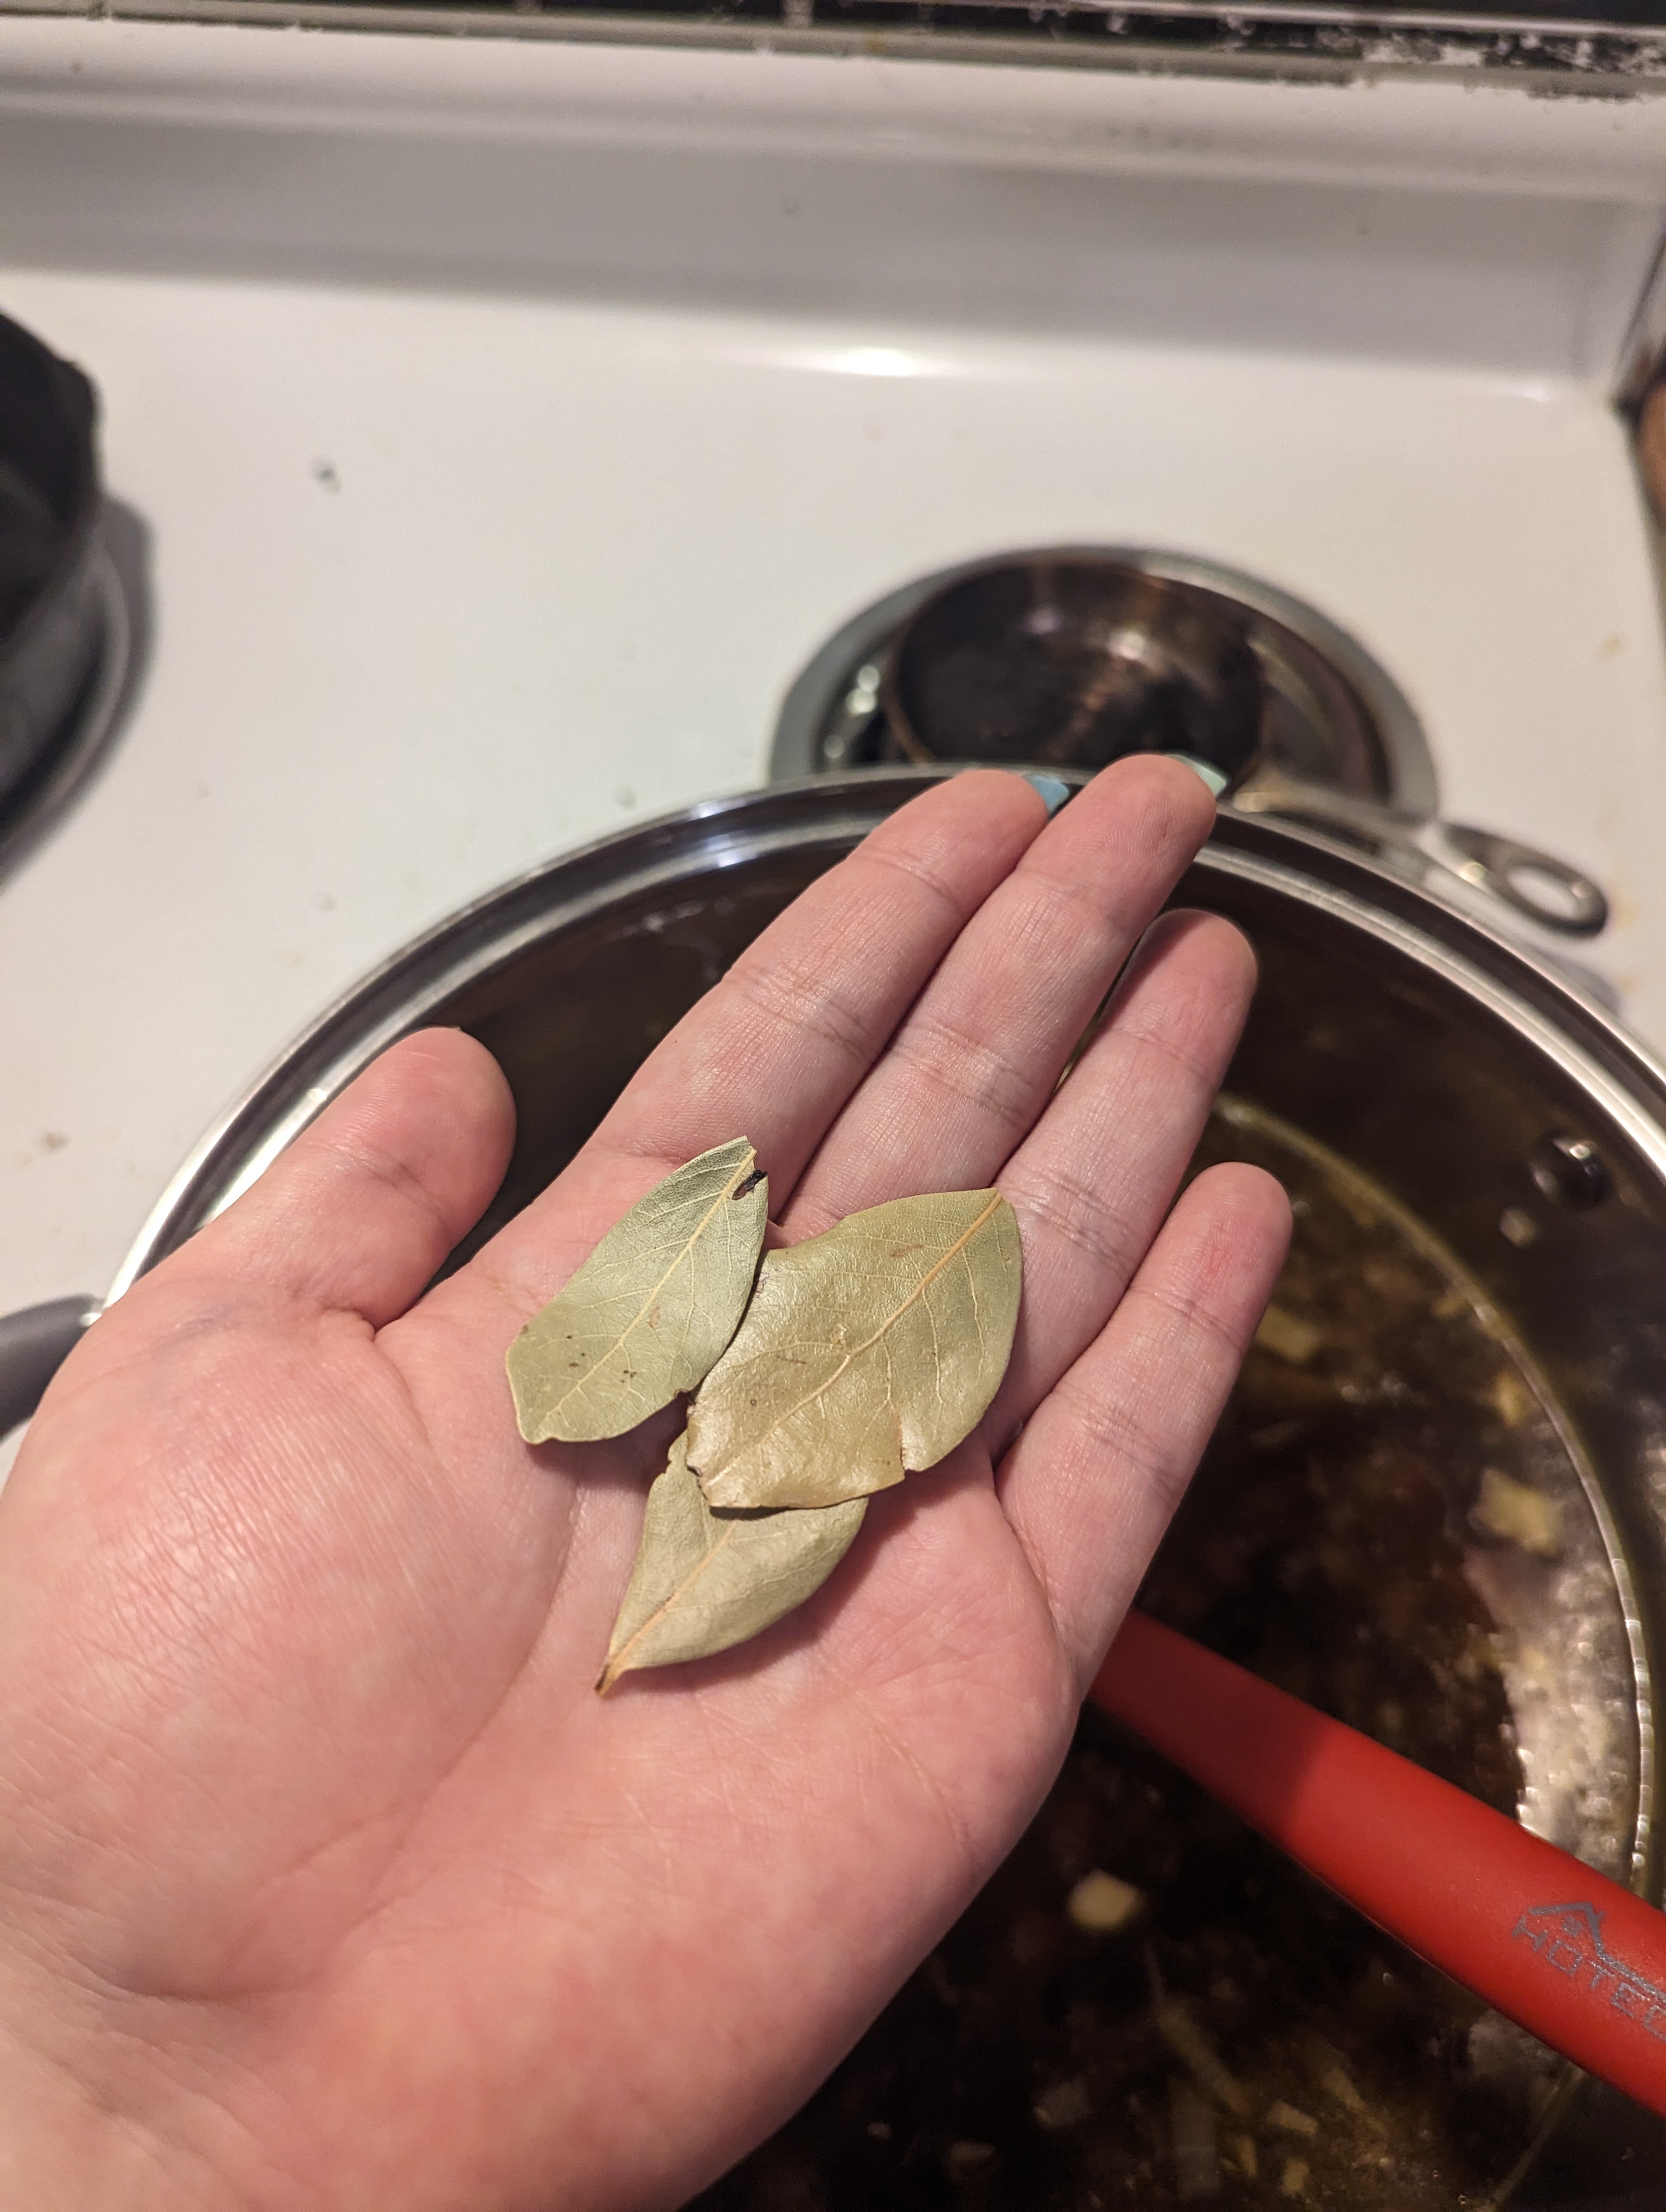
point(33, 1345)
point(1546, 890)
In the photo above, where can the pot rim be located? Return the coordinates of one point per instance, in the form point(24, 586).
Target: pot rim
point(1625, 1081)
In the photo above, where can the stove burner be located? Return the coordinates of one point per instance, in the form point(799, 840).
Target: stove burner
point(37, 792)
point(1324, 711)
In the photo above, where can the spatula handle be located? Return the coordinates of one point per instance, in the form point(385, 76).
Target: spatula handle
point(1571, 1956)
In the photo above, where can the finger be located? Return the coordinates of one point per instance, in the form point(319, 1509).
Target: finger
point(1090, 1187)
point(1091, 1483)
point(362, 1208)
point(774, 1051)
point(973, 1062)
point(801, 1015)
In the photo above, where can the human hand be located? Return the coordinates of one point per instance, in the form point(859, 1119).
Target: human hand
point(326, 1882)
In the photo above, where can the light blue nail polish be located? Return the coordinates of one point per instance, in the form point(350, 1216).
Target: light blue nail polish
point(1053, 793)
point(1212, 776)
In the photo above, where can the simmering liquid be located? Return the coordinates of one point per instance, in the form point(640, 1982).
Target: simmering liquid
point(1392, 1522)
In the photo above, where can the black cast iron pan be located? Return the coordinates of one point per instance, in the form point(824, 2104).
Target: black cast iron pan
point(50, 597)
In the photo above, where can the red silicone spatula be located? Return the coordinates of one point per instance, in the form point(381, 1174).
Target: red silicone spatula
point(1572, 1957)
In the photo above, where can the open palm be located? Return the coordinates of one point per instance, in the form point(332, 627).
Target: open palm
point(325, 1880)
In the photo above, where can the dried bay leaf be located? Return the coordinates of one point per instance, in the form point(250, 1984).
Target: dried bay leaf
point(703, 1581)
point(647, 1313)
point(866, 1353)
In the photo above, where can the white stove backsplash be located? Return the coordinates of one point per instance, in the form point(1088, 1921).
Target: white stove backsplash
point(512, 424)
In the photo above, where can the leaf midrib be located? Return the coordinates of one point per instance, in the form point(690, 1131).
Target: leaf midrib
point(613, 1669)
point(856, 1351)
point(722, 1199)
point(617, 1661)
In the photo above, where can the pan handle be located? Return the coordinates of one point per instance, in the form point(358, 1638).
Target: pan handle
point(33, 1345)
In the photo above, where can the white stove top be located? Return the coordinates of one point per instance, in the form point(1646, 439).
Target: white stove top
point(512, 423)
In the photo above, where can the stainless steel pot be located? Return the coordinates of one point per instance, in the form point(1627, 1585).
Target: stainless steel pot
point(1494, 1103)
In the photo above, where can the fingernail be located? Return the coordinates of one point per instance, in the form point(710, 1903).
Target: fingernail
point(1053, 793)
point(1212, 776)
